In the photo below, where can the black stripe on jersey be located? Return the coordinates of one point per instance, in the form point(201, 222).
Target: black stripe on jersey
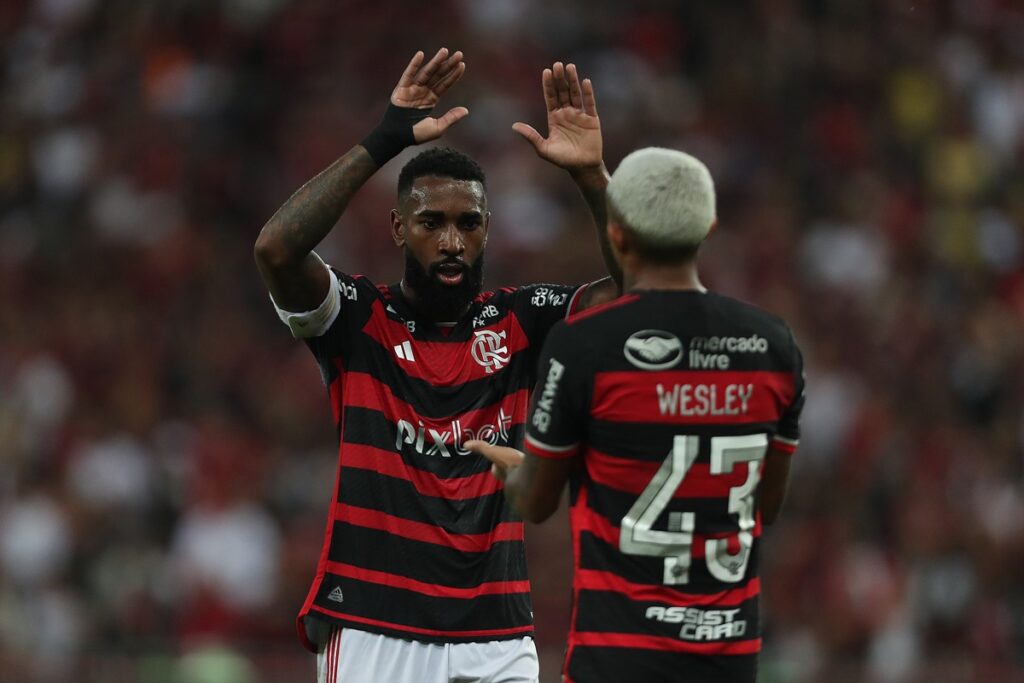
point(381, 551)
point(652, 441)
point(621, 665)
point(438, 402)
point(594, 553)
point(604, 611)
point(371, 600)
point(397, 497)
point(370, 428)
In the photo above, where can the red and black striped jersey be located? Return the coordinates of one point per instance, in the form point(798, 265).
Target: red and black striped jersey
point(420, 543)
point(669, 400)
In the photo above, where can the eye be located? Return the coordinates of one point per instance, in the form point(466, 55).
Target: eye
point(429, 223)
point(471, 223)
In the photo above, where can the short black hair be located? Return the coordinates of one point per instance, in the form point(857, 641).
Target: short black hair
point(444, 162)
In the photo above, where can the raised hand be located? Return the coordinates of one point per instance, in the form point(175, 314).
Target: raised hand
point(574, 131)
point(422, 85)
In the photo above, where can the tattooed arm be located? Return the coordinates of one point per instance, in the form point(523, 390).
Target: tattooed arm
point(294, 275)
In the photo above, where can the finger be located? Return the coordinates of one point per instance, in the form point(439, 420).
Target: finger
point(530, 133)
point(503, 456)
point(561, 85)
point(575, 93)
point(451, 117)
point(446, 68)
point(589, 100)
point(430, 128)
point(499, 473)
point(424, 75)
point(449, 79)
point(547, 81)
point(411, 69)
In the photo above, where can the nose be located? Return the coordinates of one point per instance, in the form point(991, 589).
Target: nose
point(450, 241)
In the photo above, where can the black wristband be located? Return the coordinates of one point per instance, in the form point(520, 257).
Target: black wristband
point(393, 133)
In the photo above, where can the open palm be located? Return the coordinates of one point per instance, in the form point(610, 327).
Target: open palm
point(574, 130)
point(421, 87)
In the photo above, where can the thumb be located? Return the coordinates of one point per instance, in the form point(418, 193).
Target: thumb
point(529, 133)
point(451, 117)
point(431, 128)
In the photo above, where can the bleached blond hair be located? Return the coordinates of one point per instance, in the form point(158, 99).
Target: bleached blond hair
point(664, 196)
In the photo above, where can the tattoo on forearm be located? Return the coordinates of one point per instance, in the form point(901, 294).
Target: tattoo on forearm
point(309, 214)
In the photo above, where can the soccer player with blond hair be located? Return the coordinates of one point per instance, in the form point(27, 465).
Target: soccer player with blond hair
point(672, 413)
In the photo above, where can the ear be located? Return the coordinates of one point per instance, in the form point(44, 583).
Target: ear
point(617, 237)
point(714, 225)
point(486, 225)
point(397, 228)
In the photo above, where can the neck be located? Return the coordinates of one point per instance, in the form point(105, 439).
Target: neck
point(668, 276)
point(437, 317)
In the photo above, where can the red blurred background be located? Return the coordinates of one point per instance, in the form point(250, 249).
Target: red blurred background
point(166, 452)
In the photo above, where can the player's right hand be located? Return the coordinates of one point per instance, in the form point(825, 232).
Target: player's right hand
point(504, 459)
point(422, 85)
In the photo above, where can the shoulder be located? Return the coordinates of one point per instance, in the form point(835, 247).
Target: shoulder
point(596, 315)
point(542, 295)
point(757, 321)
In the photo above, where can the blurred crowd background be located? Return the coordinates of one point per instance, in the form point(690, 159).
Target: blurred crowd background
point(166, 453)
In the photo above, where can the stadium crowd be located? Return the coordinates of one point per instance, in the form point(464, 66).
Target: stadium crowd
point(166, 453)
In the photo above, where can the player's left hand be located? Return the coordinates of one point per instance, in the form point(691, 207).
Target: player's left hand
point(574, 131)
point(504, 459)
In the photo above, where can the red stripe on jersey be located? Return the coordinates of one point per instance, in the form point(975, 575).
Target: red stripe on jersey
point(424, 588)
point(574, 302)
point(541, 451)
point(594, 310)
point(445, 363)
point(428, 533)
point(784, 447)
point(598, 525)
point(692, 397)
point(391, 464)
point(633, 476)
point(321, 564)
point(496, 632)
point(633, 640)
point(363, 390)
point(594, 580)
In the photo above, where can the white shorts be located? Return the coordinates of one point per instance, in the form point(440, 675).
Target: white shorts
point(352, 656)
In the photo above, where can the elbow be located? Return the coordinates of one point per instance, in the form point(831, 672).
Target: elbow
point(535, 515)
point(269, 253)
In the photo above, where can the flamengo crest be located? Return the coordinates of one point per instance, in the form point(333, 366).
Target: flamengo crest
point(489, 350)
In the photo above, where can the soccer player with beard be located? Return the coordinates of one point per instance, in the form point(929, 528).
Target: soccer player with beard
point(422, 576)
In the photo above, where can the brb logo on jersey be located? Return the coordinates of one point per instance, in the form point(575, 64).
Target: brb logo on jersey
point(489, 350)
point(653, 349)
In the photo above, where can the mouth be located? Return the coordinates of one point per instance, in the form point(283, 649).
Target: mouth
point(450, 273)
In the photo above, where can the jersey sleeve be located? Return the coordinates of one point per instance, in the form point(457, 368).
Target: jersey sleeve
point(787, 437)
point(539, 307)
point(559, 408)
point(315, 323)
point(328, 329)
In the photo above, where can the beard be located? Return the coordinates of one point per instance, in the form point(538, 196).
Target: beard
point(436, 300)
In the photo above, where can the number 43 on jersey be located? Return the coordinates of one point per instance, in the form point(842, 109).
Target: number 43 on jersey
point(675, 545)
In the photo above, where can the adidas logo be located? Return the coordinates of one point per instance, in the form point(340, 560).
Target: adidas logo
point(336, 595)
point(404, 351)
